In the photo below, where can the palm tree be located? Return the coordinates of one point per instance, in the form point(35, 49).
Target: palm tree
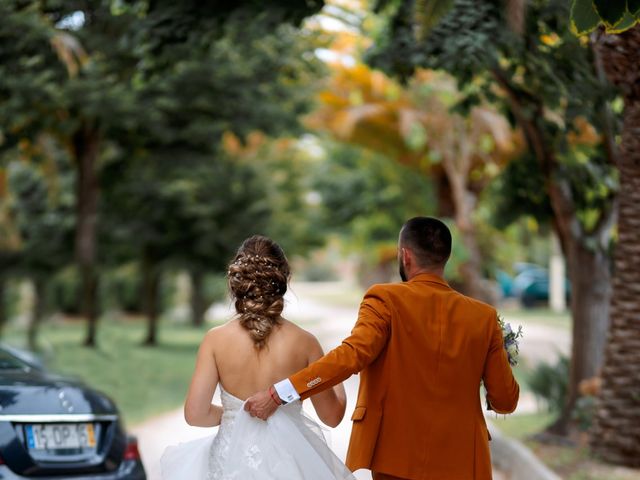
point(616, 435)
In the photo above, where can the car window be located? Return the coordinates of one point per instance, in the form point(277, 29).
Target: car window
point(9, 362)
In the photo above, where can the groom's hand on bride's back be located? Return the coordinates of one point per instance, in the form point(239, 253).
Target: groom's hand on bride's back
point(262, 404)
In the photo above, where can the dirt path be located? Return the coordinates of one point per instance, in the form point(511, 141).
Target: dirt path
point(330, 323)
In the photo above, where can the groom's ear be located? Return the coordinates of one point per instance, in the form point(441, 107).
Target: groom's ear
point(405, 255)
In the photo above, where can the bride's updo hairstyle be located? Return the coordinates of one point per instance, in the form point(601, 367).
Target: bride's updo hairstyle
point(258, 279)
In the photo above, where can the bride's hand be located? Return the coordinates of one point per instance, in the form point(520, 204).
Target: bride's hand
point(261, 405)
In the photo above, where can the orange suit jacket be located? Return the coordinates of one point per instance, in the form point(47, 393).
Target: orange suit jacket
point(422, 350)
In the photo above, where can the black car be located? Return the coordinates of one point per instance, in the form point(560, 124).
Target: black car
point(52, 427)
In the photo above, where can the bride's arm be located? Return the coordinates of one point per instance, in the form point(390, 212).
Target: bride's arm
point(198, 409)
point(331, 403)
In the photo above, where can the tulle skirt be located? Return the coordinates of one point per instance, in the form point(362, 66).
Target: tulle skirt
point(288, 446)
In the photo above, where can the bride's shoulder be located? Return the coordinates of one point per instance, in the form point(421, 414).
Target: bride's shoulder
point(299, 334)
point(230, 328)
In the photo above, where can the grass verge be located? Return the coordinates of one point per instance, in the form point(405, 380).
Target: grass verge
point(539, 316)
point(569, 462)
point(578, 463)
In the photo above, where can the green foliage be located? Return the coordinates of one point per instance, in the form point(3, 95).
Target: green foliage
point(585, 411)
point(396, 36)
point(215, 288)
point(250, 73)
point(190, 215)
point(285, 172)
point(549, 72)
point(584, 16)
point(63, 292)
point(319, 272)
point(546, 64)
point(550, 383)
point(477, 26)
point(525, 425)
point(125, 285)
point(144, 91)
point(56, 78)
point(367, 198)
point(519, 191)
point(159, 69)
point(593, 181)
point(616, 15)
point(459, 255)
point(42, 210)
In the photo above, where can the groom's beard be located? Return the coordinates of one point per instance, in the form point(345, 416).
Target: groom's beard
point(403, 274)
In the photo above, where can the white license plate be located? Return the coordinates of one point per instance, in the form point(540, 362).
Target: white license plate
point(54, 436)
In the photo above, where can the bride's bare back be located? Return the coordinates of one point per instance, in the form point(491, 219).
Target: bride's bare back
point(244, 370)
point(228, 356)
point(259, 347)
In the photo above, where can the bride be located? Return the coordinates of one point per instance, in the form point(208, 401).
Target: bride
point(246, 355)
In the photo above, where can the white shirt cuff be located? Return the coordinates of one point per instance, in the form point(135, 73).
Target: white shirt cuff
point(286, 392)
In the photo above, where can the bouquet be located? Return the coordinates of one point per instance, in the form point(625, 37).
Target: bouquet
point(511, 344)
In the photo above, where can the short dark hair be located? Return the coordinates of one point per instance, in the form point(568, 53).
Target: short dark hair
point(429, 239)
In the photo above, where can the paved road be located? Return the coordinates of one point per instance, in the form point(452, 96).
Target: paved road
point(330, 323)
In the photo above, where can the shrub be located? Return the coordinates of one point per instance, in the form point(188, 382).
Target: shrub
point(550, 382)
point(64, 292)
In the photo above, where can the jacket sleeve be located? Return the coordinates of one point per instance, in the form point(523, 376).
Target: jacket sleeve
point(368, 337)
point(502, 389)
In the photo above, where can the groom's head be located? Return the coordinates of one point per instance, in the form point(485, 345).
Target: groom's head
point(424, 245)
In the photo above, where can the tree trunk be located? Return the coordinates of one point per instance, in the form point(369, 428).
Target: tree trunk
point(615, 436)
point(37, 313)
point(198, 303)
point(86, 144)
point(475, 284)
point(557, 278)
point(616, 432)
point(445, 204)
point(3, 305)
point(150, 290)
point(589, 273)
point(89, 301)
point(464, 202)
point(586, 254)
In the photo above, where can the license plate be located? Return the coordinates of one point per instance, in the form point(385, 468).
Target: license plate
point(54, 436)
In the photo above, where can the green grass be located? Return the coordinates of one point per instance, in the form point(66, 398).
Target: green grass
point(541, 316)
point(144, 381)
point(525, 425)
point(577, 463)
point(569, 462)
point(349, 296)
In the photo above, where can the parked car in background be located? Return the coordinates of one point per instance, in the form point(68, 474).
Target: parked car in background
point(53, 427)
point(531, 285)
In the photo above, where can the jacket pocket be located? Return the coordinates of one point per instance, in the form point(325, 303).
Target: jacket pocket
point(358, 414)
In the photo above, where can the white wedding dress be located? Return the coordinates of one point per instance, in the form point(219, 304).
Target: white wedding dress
point(288, 446)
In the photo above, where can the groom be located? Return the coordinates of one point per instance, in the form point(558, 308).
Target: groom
point(422, 350)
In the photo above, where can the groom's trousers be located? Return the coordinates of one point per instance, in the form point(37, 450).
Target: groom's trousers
point(384, 476)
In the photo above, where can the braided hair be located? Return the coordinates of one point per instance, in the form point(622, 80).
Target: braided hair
point(258, 277)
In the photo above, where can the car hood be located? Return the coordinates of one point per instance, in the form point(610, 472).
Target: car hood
point(34, 392)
